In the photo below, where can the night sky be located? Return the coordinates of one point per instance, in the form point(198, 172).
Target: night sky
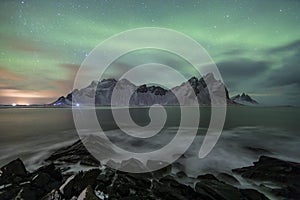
point(255, 44)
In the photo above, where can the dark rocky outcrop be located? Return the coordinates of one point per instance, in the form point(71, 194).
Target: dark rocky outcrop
point(53, 195)
point(77, 183)
point(227, 178)
point(20, 184)
point(169, 188)
point(211, 187)
point(48, 182)
point(214, 189)
point(88, 194)
point(75, 153)
point(283, 173)
point(13, 172)
point(251, 194)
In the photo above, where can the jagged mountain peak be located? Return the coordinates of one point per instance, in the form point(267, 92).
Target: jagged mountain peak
point(100, 92)
point(243, 99)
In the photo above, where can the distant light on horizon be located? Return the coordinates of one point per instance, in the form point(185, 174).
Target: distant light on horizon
point(20, 104)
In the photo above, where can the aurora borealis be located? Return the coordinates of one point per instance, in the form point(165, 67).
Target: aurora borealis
point(255, 44)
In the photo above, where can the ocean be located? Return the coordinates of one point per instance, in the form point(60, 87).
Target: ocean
point(32, 134)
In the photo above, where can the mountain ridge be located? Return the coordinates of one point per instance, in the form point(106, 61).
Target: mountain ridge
point(99, 93)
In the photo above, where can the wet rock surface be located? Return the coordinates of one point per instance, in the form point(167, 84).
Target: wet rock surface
point(25, 185)
point(284, 174)
point(13, 172)
point(102, 182)
point(75, 153)
point(76, 184)
point(227, 178)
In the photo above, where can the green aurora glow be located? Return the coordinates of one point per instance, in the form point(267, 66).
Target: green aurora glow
point(254, 43)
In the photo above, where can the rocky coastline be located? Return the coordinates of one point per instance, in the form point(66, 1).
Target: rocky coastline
point(267, 178)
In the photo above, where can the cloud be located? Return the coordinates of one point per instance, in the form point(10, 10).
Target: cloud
point(284, 79)
point(285, 75)
point(242, 68)
point(7, 75)
point(288, 72)
point(234, 52)
point(239, 75)
point(26, 93)
point(21, 44)
point(72, 69)
point(293, 46)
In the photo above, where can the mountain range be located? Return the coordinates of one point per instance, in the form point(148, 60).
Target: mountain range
point(100, 94)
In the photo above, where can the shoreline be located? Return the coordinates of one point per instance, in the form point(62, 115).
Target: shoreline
point(133, 107)
point(98, 181)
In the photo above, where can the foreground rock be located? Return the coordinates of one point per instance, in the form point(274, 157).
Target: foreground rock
point(77, 183)
point(13, 172)
point(284, 174)
point(47, 183)
point(17, 182)
point(211, 188)
point(75, 153)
